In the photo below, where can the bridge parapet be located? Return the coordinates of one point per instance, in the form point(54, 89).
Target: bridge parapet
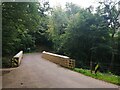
point(16, 60)
point(59, 59)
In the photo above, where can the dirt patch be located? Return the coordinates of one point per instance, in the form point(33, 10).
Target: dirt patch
point(5, 72)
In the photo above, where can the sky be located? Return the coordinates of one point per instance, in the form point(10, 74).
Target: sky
point(82, 3)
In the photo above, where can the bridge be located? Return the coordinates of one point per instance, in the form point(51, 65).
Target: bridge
point(37, 72)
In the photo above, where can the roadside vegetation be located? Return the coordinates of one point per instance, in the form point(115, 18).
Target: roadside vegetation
point(88, 35)
point(108, 77)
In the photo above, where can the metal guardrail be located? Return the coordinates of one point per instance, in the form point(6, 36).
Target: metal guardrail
point(16, 60)
point(59, 59)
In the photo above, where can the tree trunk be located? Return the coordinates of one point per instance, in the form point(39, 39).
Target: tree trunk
point(91, 65)
point(113, 52)
point(112, 60)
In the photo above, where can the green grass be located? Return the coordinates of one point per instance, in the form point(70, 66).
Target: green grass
point(108, 77)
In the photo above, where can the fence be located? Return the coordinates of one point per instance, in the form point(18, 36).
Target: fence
point(59, 59)
point(16, 60)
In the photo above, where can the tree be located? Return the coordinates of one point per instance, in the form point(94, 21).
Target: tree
point(23, 23)
point(57, 26)
point(85, 37)
point(110, 13)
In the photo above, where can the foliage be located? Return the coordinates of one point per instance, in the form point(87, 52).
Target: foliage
point(6, 62)
point(84, 36)
point(22, 26)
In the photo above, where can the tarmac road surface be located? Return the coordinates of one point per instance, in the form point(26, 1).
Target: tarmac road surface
point(36, 72)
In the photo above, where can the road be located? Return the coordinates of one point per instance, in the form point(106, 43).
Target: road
point(36, 72)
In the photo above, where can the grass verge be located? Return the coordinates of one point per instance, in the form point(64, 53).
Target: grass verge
point(111, 78)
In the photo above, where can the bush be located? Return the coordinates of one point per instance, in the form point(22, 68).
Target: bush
point(6, 62)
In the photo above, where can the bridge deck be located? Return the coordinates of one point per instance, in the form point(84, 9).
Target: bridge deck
point(36, 72)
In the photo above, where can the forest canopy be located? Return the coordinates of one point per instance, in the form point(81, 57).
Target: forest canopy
point(73, 31)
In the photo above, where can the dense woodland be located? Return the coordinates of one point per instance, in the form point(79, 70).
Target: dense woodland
point(79, 33)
